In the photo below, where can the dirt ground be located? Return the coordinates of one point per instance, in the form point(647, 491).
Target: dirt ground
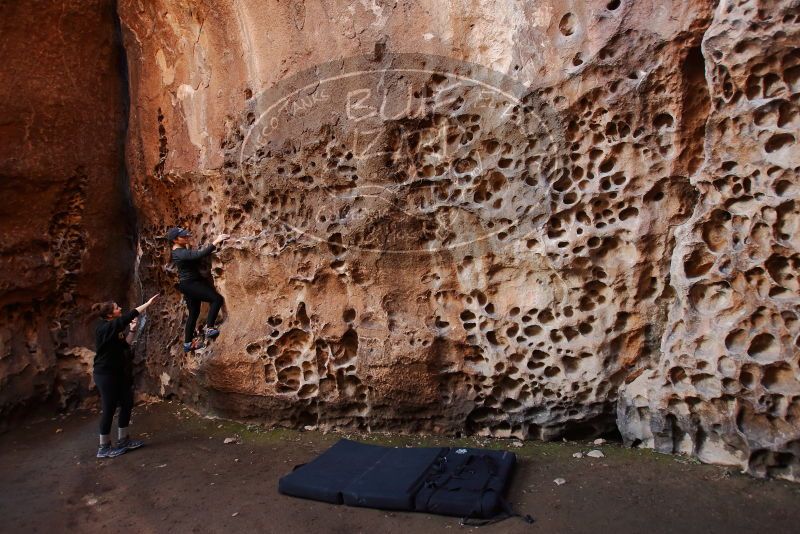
point(188, 480)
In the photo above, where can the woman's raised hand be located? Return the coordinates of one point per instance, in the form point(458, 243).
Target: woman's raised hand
point(144, 306)
point(220, 238)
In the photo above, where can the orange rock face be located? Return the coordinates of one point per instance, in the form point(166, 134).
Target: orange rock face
point(725, 386)
point(65, 218)
point(504, 218)
point(513, 219)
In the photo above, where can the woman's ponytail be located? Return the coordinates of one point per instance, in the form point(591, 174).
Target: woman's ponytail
point(103, 309)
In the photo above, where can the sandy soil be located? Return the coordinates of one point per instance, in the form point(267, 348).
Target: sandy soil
point(188, 480)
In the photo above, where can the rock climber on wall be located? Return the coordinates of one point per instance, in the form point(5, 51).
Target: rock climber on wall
point(194, 287)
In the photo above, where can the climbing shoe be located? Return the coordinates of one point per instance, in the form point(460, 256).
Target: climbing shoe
point(107, 451)
point(129, 443)
point(211, 333)
point(194, 345)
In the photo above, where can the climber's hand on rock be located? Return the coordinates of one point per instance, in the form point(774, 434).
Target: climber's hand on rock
point(220, 238)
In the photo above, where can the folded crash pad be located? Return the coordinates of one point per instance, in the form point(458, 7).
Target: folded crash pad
point(456, 481)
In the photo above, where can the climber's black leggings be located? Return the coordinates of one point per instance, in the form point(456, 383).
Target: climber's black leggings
point(195, 292)
point(115, 390)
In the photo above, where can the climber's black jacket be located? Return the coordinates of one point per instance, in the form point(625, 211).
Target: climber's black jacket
point(188, 262)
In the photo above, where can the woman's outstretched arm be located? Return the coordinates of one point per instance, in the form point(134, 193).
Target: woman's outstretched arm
point(147, 304)
point(121, 322)
point(185, 254)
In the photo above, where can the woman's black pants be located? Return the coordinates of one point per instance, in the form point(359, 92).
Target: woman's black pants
point(195, 292)
point(116, 389)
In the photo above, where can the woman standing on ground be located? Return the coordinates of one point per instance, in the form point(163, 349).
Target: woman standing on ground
point(110, 376)
point(194, 287)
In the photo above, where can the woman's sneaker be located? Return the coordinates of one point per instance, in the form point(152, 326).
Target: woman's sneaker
point(194, 345)
point(108, 451)
point(129, 443)
point(211, 333)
